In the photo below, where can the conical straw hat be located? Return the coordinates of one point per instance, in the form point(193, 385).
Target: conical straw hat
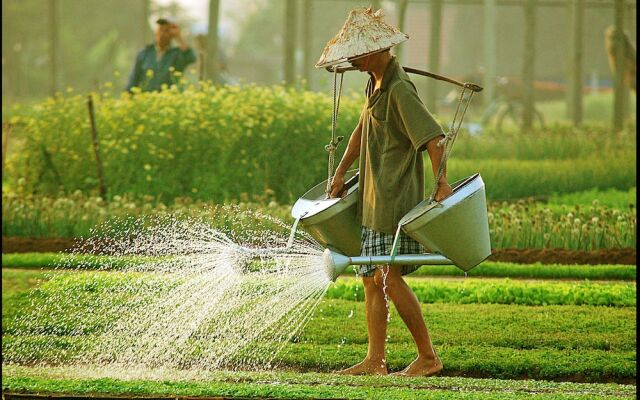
point(364, 32)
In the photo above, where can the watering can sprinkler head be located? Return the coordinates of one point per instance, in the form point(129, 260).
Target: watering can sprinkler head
point(334, 263)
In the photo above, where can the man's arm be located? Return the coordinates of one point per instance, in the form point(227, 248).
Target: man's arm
point(187, 55)
point(350, 155)
point(435, 154)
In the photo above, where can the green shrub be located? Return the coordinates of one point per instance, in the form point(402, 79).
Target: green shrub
point(214, 143)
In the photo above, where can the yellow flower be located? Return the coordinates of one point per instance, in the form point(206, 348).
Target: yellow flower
point(150, 73)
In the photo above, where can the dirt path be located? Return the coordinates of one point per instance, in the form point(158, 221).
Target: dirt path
point(522, 256)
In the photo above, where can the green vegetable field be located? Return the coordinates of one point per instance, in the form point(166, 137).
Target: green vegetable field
point(235, 158)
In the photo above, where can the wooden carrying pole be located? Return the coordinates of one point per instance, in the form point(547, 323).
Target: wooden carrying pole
point(470, 86)
point(96, 148)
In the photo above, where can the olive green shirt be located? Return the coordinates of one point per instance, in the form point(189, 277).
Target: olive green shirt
point(396, 127)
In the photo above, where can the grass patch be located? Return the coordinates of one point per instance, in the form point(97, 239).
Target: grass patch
point(70, 261)
point(315, 385)
point(598, 107)
point(483, 340)
point(612, 198)
point(545, 177)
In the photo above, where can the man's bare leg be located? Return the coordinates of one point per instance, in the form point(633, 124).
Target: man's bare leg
point(427, 363)
point(376, 314)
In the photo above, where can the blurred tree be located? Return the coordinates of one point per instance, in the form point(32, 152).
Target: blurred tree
point(212, 63)
point(5, 51)
point(258, 51)
point(53, 46)
point(290, 30)
point(402, 6)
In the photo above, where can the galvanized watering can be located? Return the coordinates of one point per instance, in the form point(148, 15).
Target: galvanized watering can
point(455, 230)
point(331, 222)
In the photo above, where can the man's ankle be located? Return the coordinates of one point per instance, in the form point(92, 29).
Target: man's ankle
point(428, 356)
point(375, 360)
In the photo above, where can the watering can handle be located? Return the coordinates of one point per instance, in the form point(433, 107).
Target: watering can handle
point(352, 181)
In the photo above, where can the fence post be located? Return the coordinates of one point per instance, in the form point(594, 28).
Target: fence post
point(619, 100)
point(574, 95)
point(434, 54)
point(96, 148)
point(528, 71)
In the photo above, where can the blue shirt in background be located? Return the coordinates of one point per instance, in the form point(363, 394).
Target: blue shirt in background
point(174, 59)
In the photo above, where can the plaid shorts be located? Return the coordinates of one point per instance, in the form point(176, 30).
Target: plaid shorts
point(374, 243)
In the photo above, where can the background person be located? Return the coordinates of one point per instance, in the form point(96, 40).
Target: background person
point(156, 64)
point(394, 128)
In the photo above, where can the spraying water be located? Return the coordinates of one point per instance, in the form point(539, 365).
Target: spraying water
point(185, 294)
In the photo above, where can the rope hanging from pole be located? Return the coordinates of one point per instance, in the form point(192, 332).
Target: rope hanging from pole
point(335, 140)
point(450, 137)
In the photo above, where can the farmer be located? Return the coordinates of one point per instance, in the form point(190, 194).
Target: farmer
point(157, 63)
point(394, 129)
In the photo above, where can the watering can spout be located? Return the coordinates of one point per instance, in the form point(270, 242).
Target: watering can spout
point(335, 263)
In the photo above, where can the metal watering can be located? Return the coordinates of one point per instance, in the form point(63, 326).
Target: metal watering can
point(456, 230)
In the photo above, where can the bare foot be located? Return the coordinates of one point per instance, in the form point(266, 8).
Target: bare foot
point(366, 367)
point(422, 366)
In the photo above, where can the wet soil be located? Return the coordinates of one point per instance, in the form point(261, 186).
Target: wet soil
point(523, 256)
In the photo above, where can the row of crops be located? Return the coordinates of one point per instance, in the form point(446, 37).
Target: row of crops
point(522, 224)
point(588, 342)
